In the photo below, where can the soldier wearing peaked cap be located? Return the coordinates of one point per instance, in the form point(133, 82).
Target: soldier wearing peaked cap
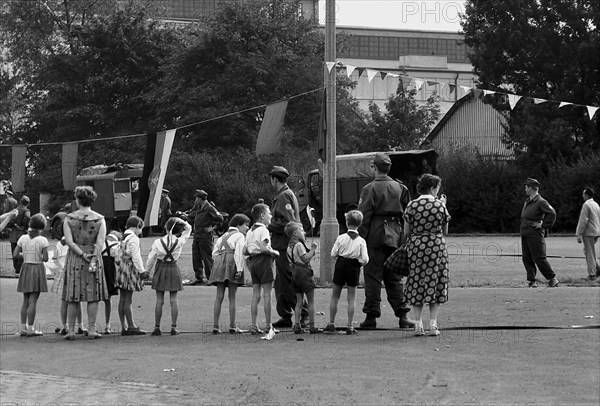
point(206, 218)
point(537, 216)
point(382, 203)
point(165, 209)
point(284, 209)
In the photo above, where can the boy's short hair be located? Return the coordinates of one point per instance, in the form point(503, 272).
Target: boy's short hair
point(354, 218)
point(134, 221)
point(259, 209)
point(37, 222)
point(239, 220)
point(291, 227)
point(176, 227)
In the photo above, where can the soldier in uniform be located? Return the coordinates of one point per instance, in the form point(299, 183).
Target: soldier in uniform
point(382, 203)
point(165, 208)
point(207, 217)
point(284, 209)
point(18, 228)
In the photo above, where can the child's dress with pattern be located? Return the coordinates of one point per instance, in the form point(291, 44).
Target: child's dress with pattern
point(131, 264)
point(81, 285)
point(32, 277)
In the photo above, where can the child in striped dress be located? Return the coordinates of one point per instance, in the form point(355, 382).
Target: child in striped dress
point(130, 274)
point(33, 249)
point(162, 260)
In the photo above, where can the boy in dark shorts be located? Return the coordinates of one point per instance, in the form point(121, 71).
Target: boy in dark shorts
point(303, 281)
point(350, 253)
point(261, 264)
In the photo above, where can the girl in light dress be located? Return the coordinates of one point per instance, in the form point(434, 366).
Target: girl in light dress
point(228, 268)
point(130, 274)
point(162, 261)
point(33, 248)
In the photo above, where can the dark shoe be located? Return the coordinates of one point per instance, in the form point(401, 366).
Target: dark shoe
point(350, 331)
point(156, 332)
point(174, 332)
point(370, 322)
point(235, 330)
point(256, 331)
point(216, 331)
point(63, 331)
point(329, 329)
point(304, 321)
point(283, 323)
point(298, 329)
point(314, 330)
point(405, 322)
point(592, 277)
point(533, 284)
point(108, 330)
point(133, 331)
point(81, 331)
point(552, 283)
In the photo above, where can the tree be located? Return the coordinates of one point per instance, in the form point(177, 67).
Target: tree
point(545, 49)
point(402, 126)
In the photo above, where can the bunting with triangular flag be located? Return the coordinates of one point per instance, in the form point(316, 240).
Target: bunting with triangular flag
point(371, 74)
point(513, 99)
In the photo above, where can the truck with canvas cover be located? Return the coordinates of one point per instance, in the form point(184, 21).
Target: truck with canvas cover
point(353, 172)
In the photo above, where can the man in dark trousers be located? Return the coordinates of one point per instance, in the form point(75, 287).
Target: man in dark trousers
point(537, 217)
point(165, 208)
point(18, 227)
point(207, 217)
point(284, 209)
point(382, 203)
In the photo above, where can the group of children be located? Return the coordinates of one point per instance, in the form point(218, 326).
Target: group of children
point(240, 248)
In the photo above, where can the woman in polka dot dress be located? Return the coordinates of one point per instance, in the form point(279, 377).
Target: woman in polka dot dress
point(425, 223)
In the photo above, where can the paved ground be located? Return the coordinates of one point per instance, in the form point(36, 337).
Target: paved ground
point(501, 344)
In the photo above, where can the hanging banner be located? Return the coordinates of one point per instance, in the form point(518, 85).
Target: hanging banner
point(19, 154)
point(156, 160)
point(269, 136)
point(69, 165)
point(591, 111)
point(322, 135)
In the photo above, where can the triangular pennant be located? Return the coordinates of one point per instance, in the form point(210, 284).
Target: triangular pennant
point(486, 92)
point(419, 84)
point(371, 74)
point(349, 70)
point(360, 71)
point(466, 89)
point(513, 99)
point(563, 104)
point(477, 92)
point(591, 111)
point(330, 66)
point(432, 83)
point(452, 88)
point(383, 75)
point(539, 101)
point(394, 75)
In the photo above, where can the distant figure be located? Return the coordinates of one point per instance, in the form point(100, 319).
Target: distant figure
point(537, 216)
point(165, 208)
point(206, 219)
point(588, 231)
point(10, 203)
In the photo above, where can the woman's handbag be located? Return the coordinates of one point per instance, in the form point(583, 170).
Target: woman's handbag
point(398, 262)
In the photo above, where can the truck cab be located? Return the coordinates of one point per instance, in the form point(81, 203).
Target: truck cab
point(353, 172)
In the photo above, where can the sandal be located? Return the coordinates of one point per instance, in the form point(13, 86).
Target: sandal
point(256, 331)
point(216, 331)
point(419, 328)
point(235, 330)
point(108, 330)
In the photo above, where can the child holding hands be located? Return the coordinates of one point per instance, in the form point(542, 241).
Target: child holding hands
point(167, 277)
point(303, 281)
point(350, 253)
point(130, 274)
point(33, 248)
point(228, 268)
point(261, 264)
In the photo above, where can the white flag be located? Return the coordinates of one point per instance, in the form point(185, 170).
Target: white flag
point(371, 74)
point(330, 66)
point(349, 70)
point(562, 104)
point(591, 111)
point(513, 99)
point(539, 101)
point(419, 84)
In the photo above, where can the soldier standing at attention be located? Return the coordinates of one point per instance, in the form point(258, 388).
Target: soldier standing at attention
point(206, 219)
point(382, 203)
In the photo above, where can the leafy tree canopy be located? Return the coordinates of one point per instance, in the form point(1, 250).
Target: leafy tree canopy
point(546, 49)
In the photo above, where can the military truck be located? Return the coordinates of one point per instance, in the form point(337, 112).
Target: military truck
point(116, 186)
point(353, 172)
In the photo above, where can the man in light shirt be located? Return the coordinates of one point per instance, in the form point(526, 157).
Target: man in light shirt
point(588, 231)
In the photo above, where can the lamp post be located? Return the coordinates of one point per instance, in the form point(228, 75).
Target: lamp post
point(329, 225)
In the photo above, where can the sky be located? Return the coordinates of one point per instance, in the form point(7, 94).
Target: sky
point(438, 15)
